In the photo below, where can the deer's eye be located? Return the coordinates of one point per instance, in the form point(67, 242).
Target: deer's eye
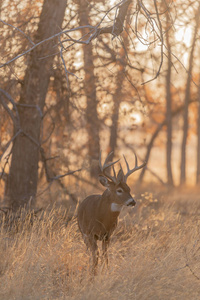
point(119, 191)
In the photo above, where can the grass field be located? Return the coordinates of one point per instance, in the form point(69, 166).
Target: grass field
point(154, 254)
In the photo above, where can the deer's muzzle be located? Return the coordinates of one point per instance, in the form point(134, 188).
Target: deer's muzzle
point(130, 202)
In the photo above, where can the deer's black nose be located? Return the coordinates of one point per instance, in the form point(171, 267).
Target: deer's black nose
point(131, 202)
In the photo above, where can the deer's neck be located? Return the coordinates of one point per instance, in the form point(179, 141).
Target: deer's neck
point(106, 217)
point(107, 202)
point(115, 207)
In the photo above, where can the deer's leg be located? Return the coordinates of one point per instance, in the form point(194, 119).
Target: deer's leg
point(105, 244)
point(92, 244)
point(95, 254)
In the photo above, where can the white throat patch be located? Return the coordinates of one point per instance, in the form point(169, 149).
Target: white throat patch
point(116, 207)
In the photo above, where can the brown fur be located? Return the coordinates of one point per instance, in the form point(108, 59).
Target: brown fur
point(97, 221)
point(98, 214)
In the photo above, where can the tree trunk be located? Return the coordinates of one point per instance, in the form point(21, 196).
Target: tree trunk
point(187, 99)
point(115, 115)
point(118, 95)
point(154, 136)
point(93, 125)
point(198, 138)
point(169, 110)
point(21, 187)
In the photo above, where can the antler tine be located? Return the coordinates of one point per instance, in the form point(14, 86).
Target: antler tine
point(120, 175)
point(106, 165)
point(108, 157)
point(130, 171)
point(114, 172)
point(100, 165)
point(136, 161)
point(126, 163)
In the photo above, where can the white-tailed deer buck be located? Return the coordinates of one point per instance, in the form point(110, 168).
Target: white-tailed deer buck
point(98, 214)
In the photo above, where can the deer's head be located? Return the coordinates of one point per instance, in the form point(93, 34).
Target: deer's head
point(116, 183)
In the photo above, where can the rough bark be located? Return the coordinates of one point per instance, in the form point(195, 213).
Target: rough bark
point(169, 110)
point(117, 98)
point(21, 186)
point(198, 138)
point(118, 95)
point(93, 124)
point(187, 99)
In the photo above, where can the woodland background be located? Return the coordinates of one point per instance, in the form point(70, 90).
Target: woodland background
point(79, 77)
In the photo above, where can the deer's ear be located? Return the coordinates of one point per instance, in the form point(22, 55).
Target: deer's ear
point(104, 181)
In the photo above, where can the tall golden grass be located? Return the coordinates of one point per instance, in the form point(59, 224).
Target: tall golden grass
point(154, 254)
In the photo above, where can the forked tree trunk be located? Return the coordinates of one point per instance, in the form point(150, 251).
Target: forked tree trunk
point(21, 186)
point(92, 120)
point(154, 137)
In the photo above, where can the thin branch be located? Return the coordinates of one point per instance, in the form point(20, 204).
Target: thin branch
point(118, 28)
point(49, 135)
point(48, 177)
point(63, 175)
point(31, 138)
point(31, 106)
point(3, 175)
point(44, 41)
point(8, 144)
point(16, 120)
point(9, 111)
point(89, 182)
point(16, 28)
point(160, 36)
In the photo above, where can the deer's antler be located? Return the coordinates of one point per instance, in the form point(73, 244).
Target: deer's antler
point(106, 165)
point(130, 171)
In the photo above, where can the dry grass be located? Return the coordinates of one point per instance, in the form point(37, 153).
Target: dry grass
point(154, 254)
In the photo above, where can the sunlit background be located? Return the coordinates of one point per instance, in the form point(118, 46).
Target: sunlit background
point(126, 78)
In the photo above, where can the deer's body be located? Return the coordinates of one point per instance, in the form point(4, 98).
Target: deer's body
point(98, 214)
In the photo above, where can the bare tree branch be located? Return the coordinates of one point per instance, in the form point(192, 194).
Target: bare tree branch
point(115, 30)
point(16, 28)
point(15, 119)
point(118, 24)
point(11, 140)
point(47, 172)
point(47, 40)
